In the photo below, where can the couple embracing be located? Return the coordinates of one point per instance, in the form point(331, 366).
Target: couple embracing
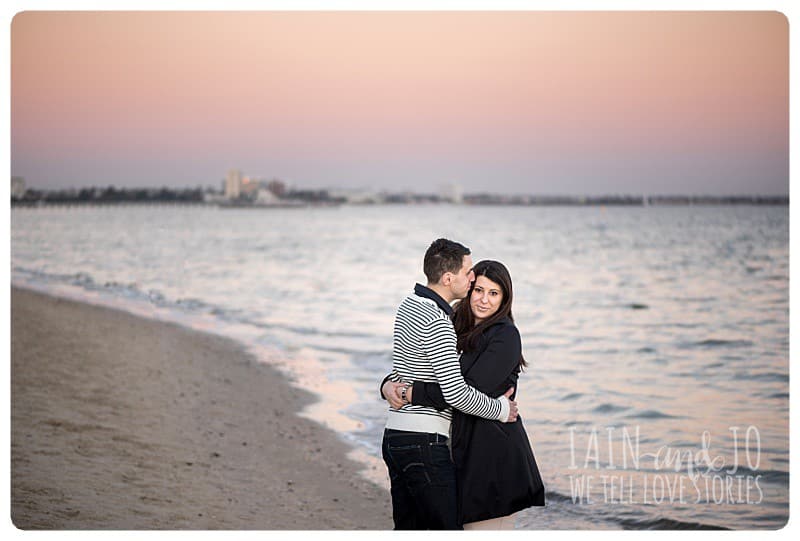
point(457, 452)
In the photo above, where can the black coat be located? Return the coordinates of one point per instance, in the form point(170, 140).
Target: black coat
point(497, 473)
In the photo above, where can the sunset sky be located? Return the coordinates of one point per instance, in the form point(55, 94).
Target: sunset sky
point(509, 102)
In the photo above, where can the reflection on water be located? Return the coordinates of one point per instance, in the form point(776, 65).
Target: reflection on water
point(670, 319)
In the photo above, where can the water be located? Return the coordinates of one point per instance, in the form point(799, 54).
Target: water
point(673, 321)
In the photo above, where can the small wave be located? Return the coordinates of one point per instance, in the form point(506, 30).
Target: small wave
point(716, 342)
point(377, 353)
point(659, 523)
point(609, 408)
point(646, 350)
point(683, 325)
point(665, 524)
point(763, 376)
point(603, 351)
point(779, 395)
point(578, 423)
point(193, 304)
point(79, 279)
point(571, 396)
point(772, 476)
point(702, 300)
point(651, 414)
point(553, 496)
point(637, 306)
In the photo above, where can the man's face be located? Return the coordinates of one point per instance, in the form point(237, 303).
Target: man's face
point(460, 282)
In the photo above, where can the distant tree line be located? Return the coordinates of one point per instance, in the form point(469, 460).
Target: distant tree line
point(624, 200)
point(312, 196)
point(111, 194)
point(199, 195)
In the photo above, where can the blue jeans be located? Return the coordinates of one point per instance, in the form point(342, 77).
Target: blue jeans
point(423, 480)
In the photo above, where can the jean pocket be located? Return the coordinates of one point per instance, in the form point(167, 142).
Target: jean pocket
point(410, 461)
point(440, 454)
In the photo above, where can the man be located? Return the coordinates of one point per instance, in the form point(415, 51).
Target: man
point(423, 480)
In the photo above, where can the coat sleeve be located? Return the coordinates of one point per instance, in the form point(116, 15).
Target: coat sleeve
point(498, 362)
point(428, 394)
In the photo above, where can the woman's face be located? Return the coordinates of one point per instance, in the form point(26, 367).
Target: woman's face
point(485, 299)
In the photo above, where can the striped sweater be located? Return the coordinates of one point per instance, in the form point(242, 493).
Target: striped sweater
point(424, 349)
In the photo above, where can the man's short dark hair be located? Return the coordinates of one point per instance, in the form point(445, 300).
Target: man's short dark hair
point(443, 256)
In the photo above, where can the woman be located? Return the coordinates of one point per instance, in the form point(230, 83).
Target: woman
point(497, 473)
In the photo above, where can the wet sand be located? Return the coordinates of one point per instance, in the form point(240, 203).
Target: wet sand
point(119, 422)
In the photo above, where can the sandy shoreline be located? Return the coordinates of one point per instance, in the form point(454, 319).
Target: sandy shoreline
point(119, 422)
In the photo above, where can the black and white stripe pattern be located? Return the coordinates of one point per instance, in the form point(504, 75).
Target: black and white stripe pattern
point(425, 350)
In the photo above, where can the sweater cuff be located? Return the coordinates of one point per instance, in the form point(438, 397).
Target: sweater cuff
point(505, 409)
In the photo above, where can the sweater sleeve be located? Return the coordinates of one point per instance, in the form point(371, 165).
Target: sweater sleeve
point(391, 376)
point(497, 362)
point(439, 343)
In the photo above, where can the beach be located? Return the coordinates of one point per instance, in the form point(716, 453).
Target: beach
point(120, 422)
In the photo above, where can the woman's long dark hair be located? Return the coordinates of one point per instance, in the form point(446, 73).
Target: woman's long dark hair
point(468, 332)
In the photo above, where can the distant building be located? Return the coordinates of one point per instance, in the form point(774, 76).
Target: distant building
point(357, 197)
point(266, 197)
point(249, 186)
point(17, 187)
point(452, 193)
point(233, 184)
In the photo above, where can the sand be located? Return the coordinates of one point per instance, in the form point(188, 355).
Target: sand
point(119, 422)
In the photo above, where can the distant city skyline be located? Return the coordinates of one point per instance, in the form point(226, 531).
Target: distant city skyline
point(572, 103)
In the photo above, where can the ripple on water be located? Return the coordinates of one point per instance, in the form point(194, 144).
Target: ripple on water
point(609, 408)
point(651, 414)
point(667, 524)
point(762, 376)
point(719, 343)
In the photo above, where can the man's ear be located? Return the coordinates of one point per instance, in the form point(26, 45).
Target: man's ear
point(447, 278)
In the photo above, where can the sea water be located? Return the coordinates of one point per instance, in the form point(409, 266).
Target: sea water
point(657, 392)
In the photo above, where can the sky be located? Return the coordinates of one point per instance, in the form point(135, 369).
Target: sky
point(530, 102)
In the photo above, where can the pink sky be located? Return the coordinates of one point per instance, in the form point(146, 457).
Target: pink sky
point(518, 102)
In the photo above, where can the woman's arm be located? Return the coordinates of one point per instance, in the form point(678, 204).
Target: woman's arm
point(429, 394)
point(496, 363)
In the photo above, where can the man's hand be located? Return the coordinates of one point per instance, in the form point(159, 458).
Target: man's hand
point(391, 391)
point(514, 410)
